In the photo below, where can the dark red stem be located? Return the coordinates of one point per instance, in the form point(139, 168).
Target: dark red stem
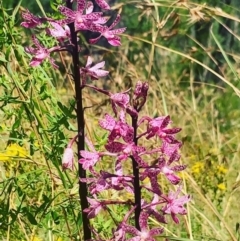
point(136, 181)
point(83, 193)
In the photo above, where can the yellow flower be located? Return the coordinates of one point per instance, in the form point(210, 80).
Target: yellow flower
point(197, 167)
point(222, 169)
point(36, 238)
point(13, 150)
point(222, 186)
point(4, 157)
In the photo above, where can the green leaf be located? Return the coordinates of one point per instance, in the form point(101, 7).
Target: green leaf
point(66, 110)
point(41, 7)
point(79, 219)
point(46, 202)
point(16, 10)
point(107, 224)
point(31, 218)
point(53, 5)
point(16, 124)
point(55, 217)
point(8, 52)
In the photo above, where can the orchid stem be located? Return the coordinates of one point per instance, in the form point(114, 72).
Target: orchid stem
point(136, 182)
point(83, 193)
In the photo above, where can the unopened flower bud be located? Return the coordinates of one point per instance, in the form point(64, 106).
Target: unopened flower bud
point(140, 95)
point(68, 158)
point(141, 89)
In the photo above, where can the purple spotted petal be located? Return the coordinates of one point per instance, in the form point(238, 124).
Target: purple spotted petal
point(67, 12)
point(115, 22)
point(172, 131)
point(156, 231)
point(31, 21)
point(94, 208)
point(179, 168)
point(81, 6)
point(175, 205)
point(108, 123)
point(102, 4)
point(165, 122)
point(114, 147)
point(143, 220)
point(115, 41)
point(94, 40)
point(121, 99)
point(117, 31)
point(58, 31)
point(173, 178)
point(89, 159)
point(139, 161)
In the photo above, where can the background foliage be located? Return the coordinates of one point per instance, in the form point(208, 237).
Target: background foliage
point(189, 53)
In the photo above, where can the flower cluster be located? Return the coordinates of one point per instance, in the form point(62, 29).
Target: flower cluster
point(83, 19)
point(122, 145)
point(125, 142)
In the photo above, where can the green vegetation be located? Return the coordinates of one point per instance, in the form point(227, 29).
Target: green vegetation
point(188, 51)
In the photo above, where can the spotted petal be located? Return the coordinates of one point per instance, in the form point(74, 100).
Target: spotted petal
point(102, 4)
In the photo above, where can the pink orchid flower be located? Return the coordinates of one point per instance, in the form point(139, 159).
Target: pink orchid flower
point(174, 204)
point(117, 129)
point(110, 35)
point(94, 208)
point(145, 234)
point(40, 53)
point(81, 21)
point(31, 21)
point(58, 31)
point(93, 72)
